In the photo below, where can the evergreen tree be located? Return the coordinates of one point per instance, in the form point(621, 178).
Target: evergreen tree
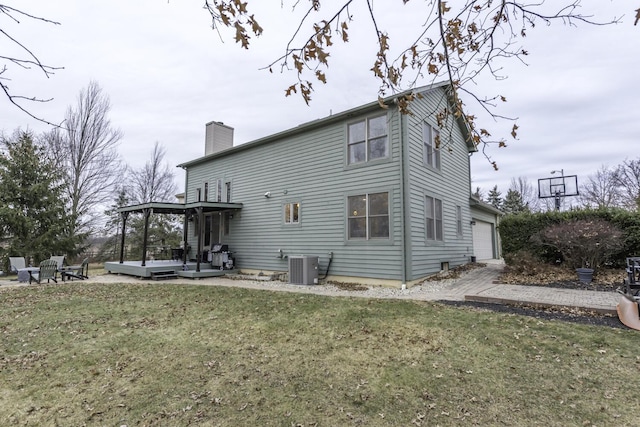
point(110, 249)
point(33, 219)
point(514, 203)
point(493, 198)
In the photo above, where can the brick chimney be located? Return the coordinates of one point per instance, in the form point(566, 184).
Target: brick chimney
point(218, 137)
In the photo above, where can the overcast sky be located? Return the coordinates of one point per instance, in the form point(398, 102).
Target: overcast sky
point(168, 73)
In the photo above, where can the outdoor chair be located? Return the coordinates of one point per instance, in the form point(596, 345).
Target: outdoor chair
point(59, 259)
point(48, 270)
point(632, 282)
point(77, 271)
point(15, 263)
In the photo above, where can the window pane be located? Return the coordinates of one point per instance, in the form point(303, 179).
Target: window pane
point(429, 206)
point(436, 149)
point(429, 154)
point(379, 204)
point(378, 148)
point(431, 235)
point(439, 229)
point(438, 206)
point(356, 132)
point(357, 228)
point(357, 206)
point(287, 213)
point(379, 226)
point(357, 153)
point(296, 212)
point(378, 126)
point(430, 220)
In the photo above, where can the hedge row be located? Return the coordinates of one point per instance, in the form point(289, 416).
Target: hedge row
point(516, 230)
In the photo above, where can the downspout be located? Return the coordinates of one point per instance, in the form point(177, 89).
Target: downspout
point(403, 197)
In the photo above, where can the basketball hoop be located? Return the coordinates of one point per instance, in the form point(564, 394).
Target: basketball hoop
point(558, 187)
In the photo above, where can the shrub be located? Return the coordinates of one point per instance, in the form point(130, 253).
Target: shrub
point(583, 242)
point(516, 231)
point(524, 263)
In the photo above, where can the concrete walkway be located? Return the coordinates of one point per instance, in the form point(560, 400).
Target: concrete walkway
point(482, 285)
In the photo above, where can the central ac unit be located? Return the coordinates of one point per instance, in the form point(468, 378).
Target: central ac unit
point(303, 270)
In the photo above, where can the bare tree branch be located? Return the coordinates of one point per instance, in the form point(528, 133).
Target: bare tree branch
point(30, 61)
point(458, 42)
point(86, 151)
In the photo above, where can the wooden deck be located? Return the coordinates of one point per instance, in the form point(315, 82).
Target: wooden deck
point(134, 268)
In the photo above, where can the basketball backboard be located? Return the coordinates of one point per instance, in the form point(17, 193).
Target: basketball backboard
point(560, 186)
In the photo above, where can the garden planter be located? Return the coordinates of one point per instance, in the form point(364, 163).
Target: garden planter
point(585, 275)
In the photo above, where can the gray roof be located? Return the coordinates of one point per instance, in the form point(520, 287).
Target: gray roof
point(479, 204)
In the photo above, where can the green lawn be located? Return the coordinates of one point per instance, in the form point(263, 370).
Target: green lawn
point(166, 354)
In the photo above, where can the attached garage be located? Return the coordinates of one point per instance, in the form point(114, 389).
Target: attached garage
point(483, 244)
point(484, 225)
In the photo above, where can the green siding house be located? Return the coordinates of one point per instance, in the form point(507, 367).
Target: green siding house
point(367, 190)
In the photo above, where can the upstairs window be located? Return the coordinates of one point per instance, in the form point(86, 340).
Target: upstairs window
point(367, 140)
point(459, 221)
point(292, 213)
point(434, 218)
point(368, 216)
point(431, 140)
point(219, 192)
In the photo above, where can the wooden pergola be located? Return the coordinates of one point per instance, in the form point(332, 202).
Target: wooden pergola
point(189, 210)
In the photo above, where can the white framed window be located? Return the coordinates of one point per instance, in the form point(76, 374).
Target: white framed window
point(431, 141)
point(367, 140)
point(219, 192)
point(292, 213)
point(459, 221)
point(206, 191)
point(433, 214)
point(368, 216)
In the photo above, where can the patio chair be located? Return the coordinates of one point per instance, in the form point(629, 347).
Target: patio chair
point(77, 271)
point(48, 270)
point(632, 282)
point(59, 259)
point(15, 263)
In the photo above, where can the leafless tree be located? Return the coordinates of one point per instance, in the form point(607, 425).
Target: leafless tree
point(154, 182)
point(85, 148)
point(458, 42)
point(527, 191)
point(628, 178)
point(24, 58)
point(601, 189)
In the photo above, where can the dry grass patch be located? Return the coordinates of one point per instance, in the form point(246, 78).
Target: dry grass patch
point(165, 354)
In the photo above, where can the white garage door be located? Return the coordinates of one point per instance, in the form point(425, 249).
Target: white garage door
point(483, 240)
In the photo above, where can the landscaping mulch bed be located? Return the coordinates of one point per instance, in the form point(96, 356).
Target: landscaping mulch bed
point(608, 280)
